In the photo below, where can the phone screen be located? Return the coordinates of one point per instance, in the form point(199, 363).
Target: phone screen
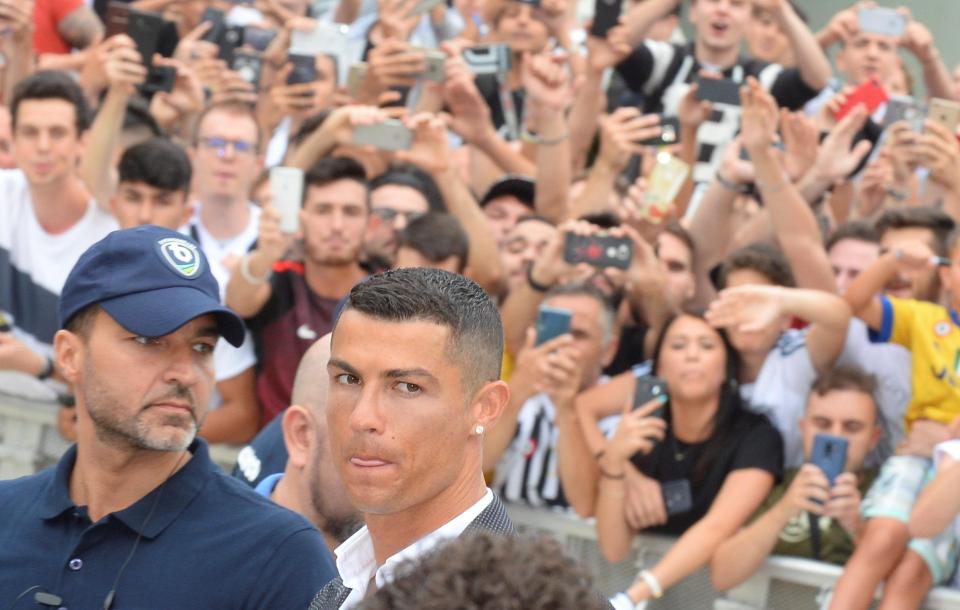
point(598, 250)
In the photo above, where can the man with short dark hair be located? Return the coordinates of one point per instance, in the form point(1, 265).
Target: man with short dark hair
point(841, 404)
point(289, 304)
point(434, 240)
point(506, 202)
point(397, 197)
point(47, 220)
point(113, 525)
point(414, 383)
point(154, 186)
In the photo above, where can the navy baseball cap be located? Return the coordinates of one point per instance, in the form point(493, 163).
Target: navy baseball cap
point(150, 280)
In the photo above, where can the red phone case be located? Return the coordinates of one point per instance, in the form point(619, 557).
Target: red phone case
point(870, 94)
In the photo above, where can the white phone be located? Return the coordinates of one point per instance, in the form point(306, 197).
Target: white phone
point(883, 21)
point(286, 184)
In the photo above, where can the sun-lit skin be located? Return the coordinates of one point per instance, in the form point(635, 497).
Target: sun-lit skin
point(849, 257)
point(403, 202)
point(334, 221)
point(46, 144)
point(850, 414)
point(503, 213)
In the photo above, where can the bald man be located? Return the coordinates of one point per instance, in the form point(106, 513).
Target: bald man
point(310, 484)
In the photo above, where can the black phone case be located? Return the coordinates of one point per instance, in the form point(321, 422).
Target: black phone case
point(606, 14)
point(677, 496)
point(830, 455)
point(249, 66)
point(216, 18)
point(258, 38)
point(649, 387)
point(720, 91)
point(669, 132)
point(598, 250)
point(159, 78)
point(304, 69)
point(144, 28)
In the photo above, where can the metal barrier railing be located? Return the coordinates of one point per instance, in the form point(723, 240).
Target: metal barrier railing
point(783, 583)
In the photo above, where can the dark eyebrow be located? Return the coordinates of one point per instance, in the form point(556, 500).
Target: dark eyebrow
point(418, 372)
point(209, 331)
point(343, 366)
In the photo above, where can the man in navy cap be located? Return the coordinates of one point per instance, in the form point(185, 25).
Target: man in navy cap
point(136, 515)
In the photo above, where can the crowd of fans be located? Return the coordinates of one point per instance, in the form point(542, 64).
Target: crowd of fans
point(751, 249)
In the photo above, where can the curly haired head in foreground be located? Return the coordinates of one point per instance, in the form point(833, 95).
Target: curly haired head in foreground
point(484, 571)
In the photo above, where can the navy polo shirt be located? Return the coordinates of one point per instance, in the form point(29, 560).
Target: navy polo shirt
point(211, 542)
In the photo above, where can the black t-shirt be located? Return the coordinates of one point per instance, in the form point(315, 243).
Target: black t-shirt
point(753, 443)
point(489, 87)
point(629, 350)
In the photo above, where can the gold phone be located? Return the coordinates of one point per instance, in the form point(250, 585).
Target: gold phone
point(945, 112)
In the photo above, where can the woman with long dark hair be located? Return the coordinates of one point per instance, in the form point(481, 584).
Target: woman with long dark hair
point(713, 460)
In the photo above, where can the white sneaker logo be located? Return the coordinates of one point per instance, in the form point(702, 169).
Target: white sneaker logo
point(306, 333)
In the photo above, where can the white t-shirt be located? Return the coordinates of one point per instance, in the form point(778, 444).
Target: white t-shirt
point(780, 391)
point(228, 361)
point(33, 268)
point(890, 364)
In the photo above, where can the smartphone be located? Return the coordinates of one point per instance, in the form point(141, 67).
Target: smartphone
point(388, 135)
point(884, 21)
point(159, 78)
point(649, 387)
point(304, 69)
point(489, 58)
point(355, 78)
point(330, 38)
point(718, 91)
point(229, 42)
point(144, 28)
point(258, 38)
point(217, 21)
point(286, 185)
point(871, 94)
point(249, 66)
point(945, 112)
point(435, 65)
point(551, 323)
point(669, 132)
point(663, 185)
point(606, 15)
point(677, 496)
point(4, 324)
point(118, 13)
point(598, 250)
point(901, 108)
point(830, 455)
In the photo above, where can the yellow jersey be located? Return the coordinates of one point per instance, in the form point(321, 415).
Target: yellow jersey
point(932, 334)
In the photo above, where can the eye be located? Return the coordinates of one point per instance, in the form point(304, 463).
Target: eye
point(147, 340)
point(347, 379)
point(410, 389)
point(204, 347)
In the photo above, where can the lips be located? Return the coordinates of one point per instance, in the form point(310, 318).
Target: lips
point(368, 462)
point(177, 406)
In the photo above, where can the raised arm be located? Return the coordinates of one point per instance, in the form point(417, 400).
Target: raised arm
point(755, 307)
point(124, 70)
point(811, 60)
point(643, 15)
point(17, 45)
point(793, 221)
point(550, 92)
point(430, 151)
point(918, 40)
point(249, 287)
point(863, 293)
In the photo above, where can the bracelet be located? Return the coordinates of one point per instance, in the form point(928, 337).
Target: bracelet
point(730, 186)
point(533, 138)
point(655, 589)
point(605, 474)
point(47, 371)
point(534, 283)
point(249, 277)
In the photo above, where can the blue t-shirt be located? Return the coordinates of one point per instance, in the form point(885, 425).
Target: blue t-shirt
point(265, 455)
point(205, 541)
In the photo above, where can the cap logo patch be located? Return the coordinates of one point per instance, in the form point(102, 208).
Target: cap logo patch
point(181, 255)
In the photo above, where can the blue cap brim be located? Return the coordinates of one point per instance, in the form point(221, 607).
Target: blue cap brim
point(155, 313)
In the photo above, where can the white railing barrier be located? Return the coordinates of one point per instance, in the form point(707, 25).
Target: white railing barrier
point(784, 583)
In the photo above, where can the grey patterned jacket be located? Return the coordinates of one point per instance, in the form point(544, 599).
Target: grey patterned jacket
point(494, 518)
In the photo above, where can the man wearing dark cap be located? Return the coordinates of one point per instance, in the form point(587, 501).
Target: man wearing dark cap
point(136, 515)
point(507, 201)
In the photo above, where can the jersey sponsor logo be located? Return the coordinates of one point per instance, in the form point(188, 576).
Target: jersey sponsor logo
point(249, 463)
point(181, 256)
point(942, 328)
point(306, 333)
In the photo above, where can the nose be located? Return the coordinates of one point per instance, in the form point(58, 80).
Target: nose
point(366, 416)
point(43, 140)
point(183, 368)
point(399, 222)
point(145, 213)
point(336, 220)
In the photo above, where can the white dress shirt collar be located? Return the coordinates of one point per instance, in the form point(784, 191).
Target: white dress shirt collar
point(357, 563)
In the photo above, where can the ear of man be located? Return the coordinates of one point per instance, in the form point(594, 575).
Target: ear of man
point(488, 403)
point(299, 435)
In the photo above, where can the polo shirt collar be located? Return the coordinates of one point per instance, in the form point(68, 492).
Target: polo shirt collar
point(175, 496)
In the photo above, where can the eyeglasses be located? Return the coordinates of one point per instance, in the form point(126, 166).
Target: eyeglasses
point(220, 145)
point(388, 214)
